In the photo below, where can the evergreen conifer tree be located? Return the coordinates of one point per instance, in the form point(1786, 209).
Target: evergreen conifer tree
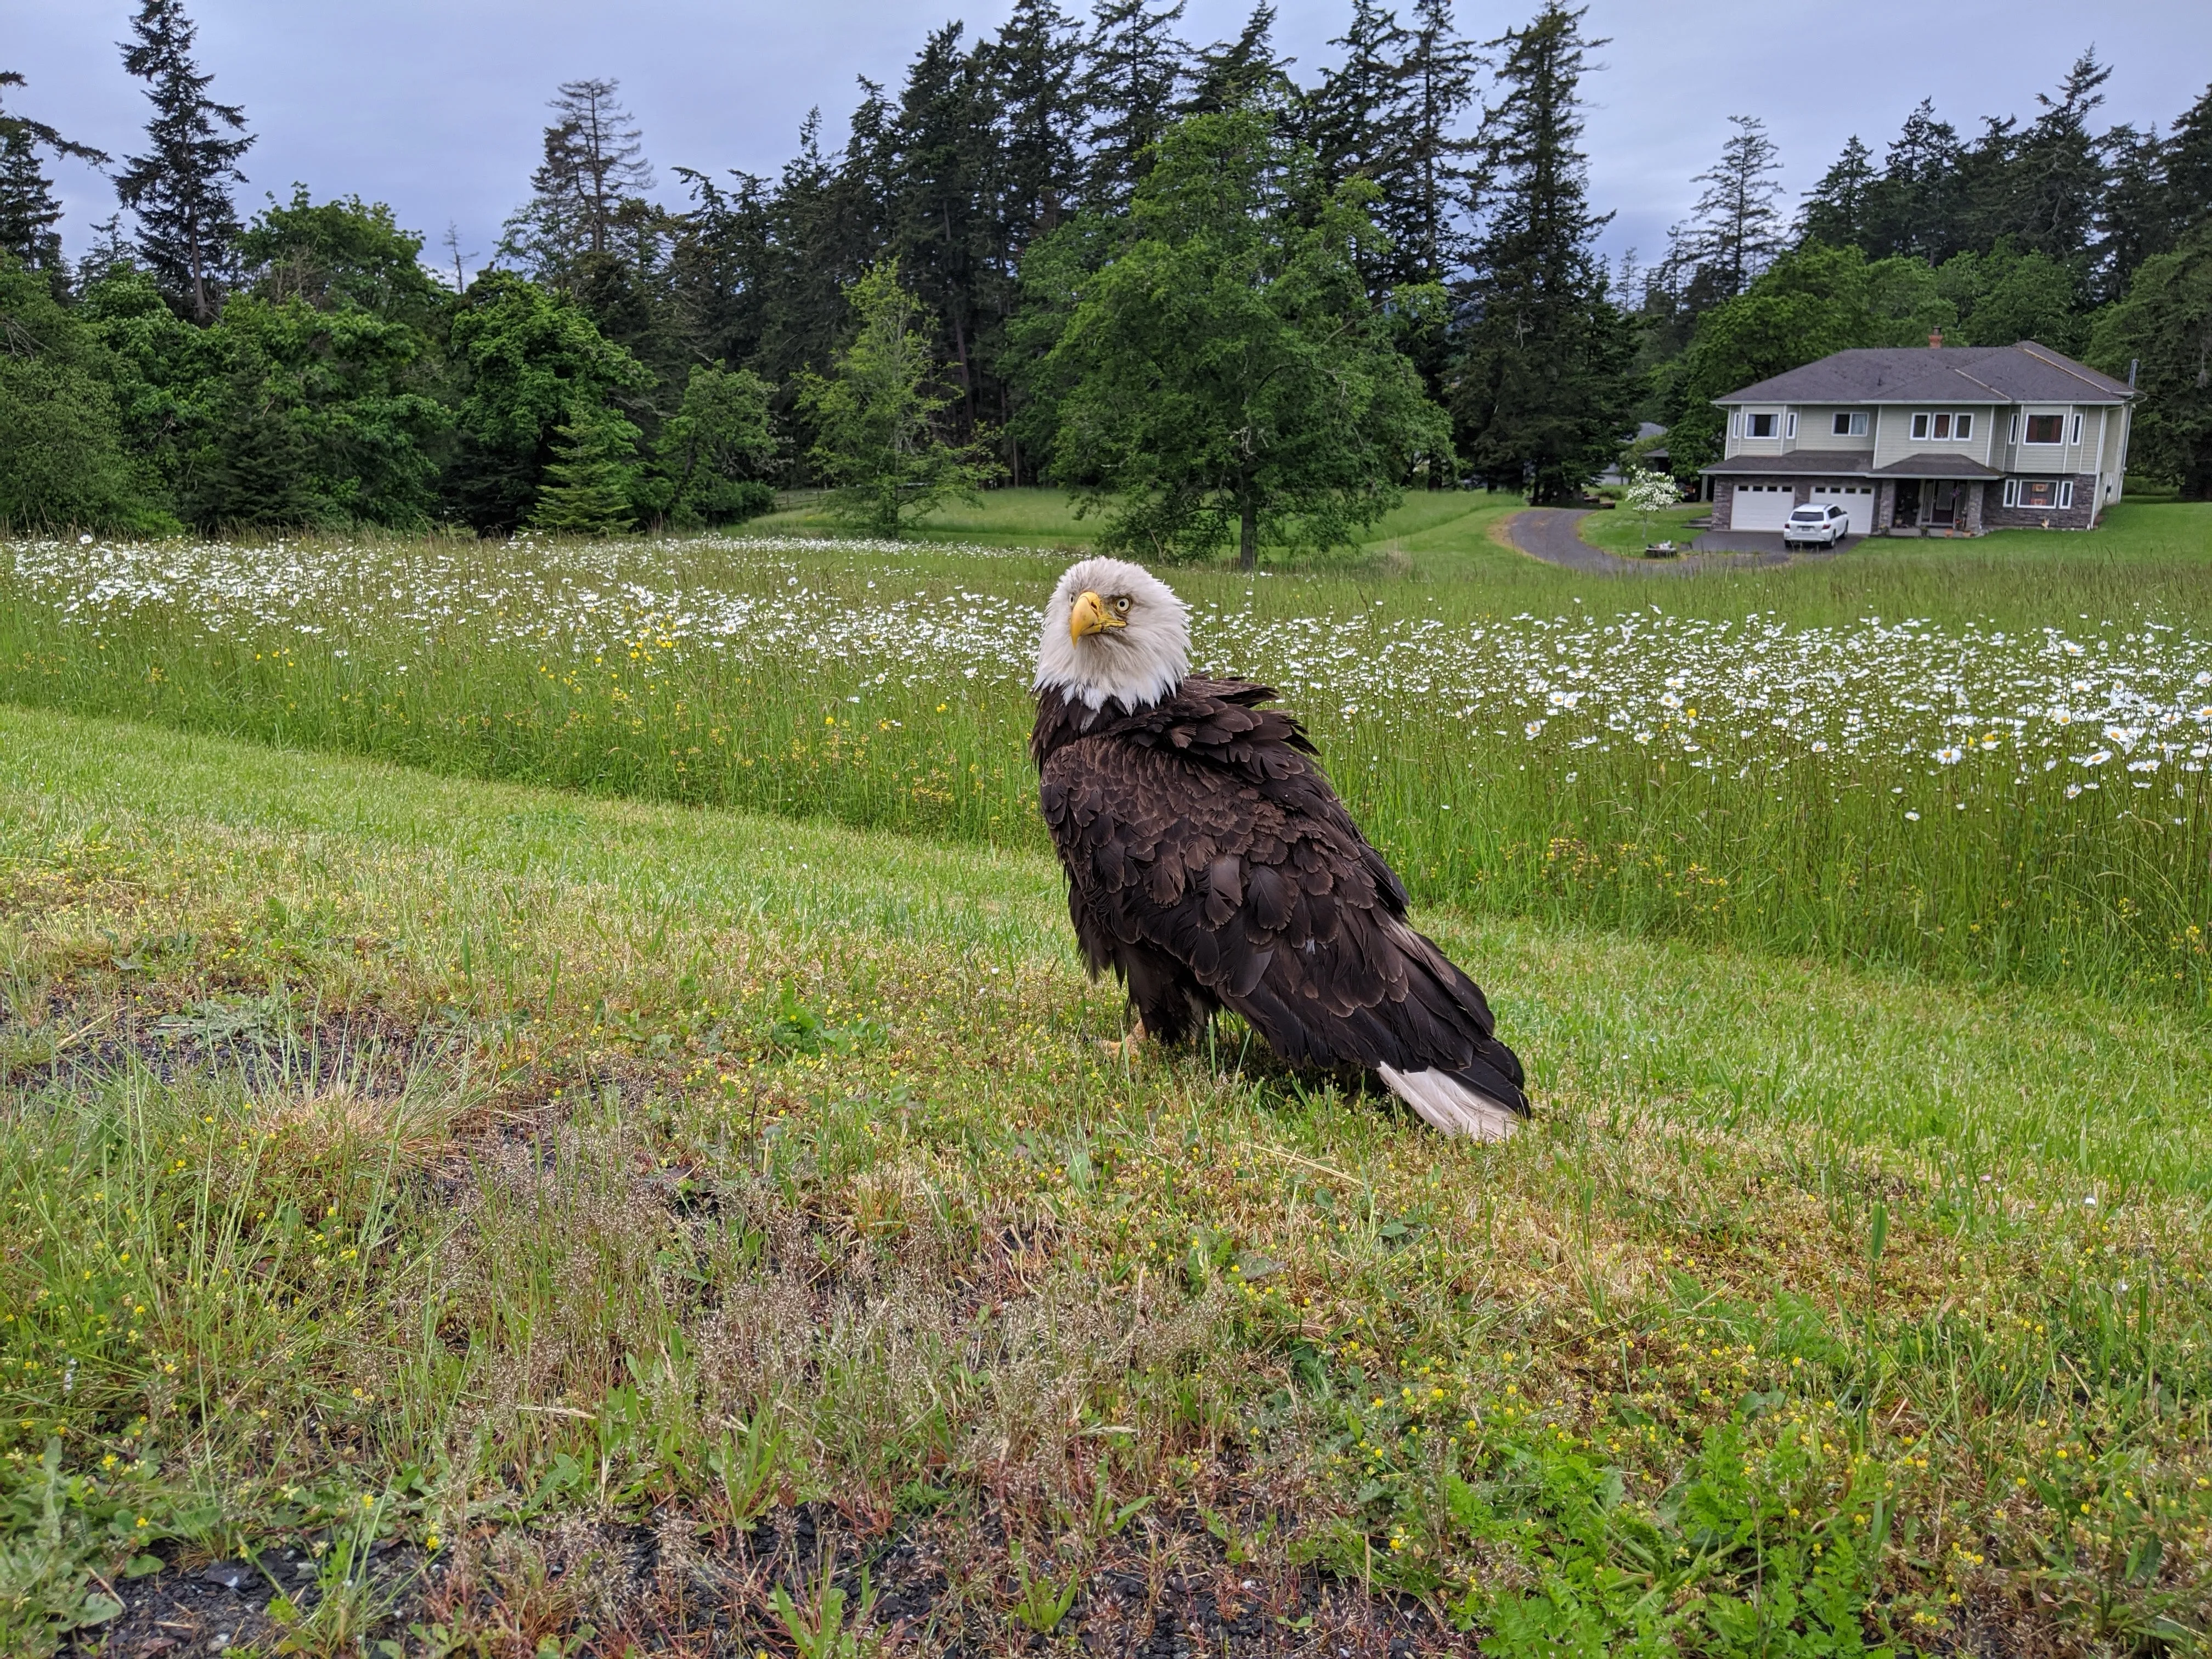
point(28, 211)
point(2135, 220)
point(1241, 74)
point(1349, 114)
point(1736, 230)
point(180, 188)
point(2056, 179)
point(1134, 66)
point(1916, 205)
point(1836, 208)
point(1033, 62)
point(879, 415)
point(586, 490)
point(1435, 89)
point(1545, 396)
point(2189, 167)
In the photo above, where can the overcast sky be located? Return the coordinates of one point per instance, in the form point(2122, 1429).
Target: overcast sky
point(436, 105)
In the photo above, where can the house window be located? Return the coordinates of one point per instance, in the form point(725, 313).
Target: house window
point(1759, 426)
point(1789, 427)
point(2077, 429)
point(2038, 492)
point(2012, 431)
point(2046, 429)
point(1944, 428)
point(2066, 492)
point(1850, 423)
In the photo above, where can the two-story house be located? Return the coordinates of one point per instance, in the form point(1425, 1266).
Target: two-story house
point(1957, 439)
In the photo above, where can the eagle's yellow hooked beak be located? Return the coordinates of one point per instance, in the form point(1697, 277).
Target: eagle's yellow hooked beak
point(1089, 616)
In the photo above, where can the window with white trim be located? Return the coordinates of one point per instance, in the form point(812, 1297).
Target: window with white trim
point(2039, 493)
point(1943, 425)
point(1759, 426)
point(1850, 423)
point(1789, 427)
point(2077, 427)
point(2046, 429)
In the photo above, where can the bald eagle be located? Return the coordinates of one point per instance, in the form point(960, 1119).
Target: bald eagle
point(1210, 865)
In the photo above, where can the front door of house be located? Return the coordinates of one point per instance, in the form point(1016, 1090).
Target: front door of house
point(1908, 503)
point(1943, 505)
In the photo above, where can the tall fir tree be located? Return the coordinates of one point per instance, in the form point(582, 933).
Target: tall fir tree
point(180, 189)
point(943, 220)
point(1836, 208)
point(2047, 195)
point(1033, 63)
point(1915, 207)
point(2189, 168)
point(2134, 219)
point(592, 164)
point(1243, 72)
point(1736, 228)
point(1133, 71)
point(1349, 113)
point(1431, 158)
point(1545, 396)
point(28, 212)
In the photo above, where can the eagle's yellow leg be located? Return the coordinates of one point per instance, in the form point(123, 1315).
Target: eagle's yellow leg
point(1130, 1046)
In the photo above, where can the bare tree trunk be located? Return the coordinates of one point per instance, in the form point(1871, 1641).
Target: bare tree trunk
point(1248, 537)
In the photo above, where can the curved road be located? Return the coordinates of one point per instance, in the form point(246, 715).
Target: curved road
point(1549, 534)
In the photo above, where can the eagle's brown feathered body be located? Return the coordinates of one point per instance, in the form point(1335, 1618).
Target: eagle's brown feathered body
point(1210, 865)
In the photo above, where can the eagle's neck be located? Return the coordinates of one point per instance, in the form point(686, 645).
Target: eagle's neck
point(1064, 716)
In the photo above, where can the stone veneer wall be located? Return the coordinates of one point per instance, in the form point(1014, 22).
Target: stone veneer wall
point(1996, 515)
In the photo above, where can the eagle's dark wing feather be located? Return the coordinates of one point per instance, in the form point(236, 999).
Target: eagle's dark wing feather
point(1205, 849)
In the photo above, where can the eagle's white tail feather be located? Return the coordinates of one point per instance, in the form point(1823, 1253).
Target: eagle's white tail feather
point(1448, 1105)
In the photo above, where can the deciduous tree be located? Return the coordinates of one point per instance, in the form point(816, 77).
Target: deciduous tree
point(1225, 376)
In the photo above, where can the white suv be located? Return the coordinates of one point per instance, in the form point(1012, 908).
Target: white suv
point(1814, 523)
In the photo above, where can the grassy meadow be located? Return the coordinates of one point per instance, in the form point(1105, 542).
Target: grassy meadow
point(547, 1107)
point(1984, 762)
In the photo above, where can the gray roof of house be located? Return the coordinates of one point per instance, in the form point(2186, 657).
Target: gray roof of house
point(1937, 467)
point(2023, 373)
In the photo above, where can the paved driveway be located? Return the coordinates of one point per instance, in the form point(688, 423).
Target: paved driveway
point(1760, 541)
point(1549, 533)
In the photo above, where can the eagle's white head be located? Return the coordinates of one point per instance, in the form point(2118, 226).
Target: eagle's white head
point(1113, 629)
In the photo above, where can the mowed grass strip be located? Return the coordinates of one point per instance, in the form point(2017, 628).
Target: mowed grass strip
point(515, 1175)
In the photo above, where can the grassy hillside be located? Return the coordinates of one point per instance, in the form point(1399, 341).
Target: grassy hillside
point(620, 1208)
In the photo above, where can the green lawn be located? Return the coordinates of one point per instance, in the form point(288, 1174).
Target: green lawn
point(620, 1207)
point(1450, 521)
point(2168, 542)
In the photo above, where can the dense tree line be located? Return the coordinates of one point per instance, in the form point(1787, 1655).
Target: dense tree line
point(1222, 304)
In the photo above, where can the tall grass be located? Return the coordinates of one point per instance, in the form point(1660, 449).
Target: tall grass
point(787, 676)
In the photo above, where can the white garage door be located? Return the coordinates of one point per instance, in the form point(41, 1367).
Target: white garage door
point(1858, 500)
point(1762, 506)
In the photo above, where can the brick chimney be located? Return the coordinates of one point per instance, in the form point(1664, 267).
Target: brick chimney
point(1936, 339)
